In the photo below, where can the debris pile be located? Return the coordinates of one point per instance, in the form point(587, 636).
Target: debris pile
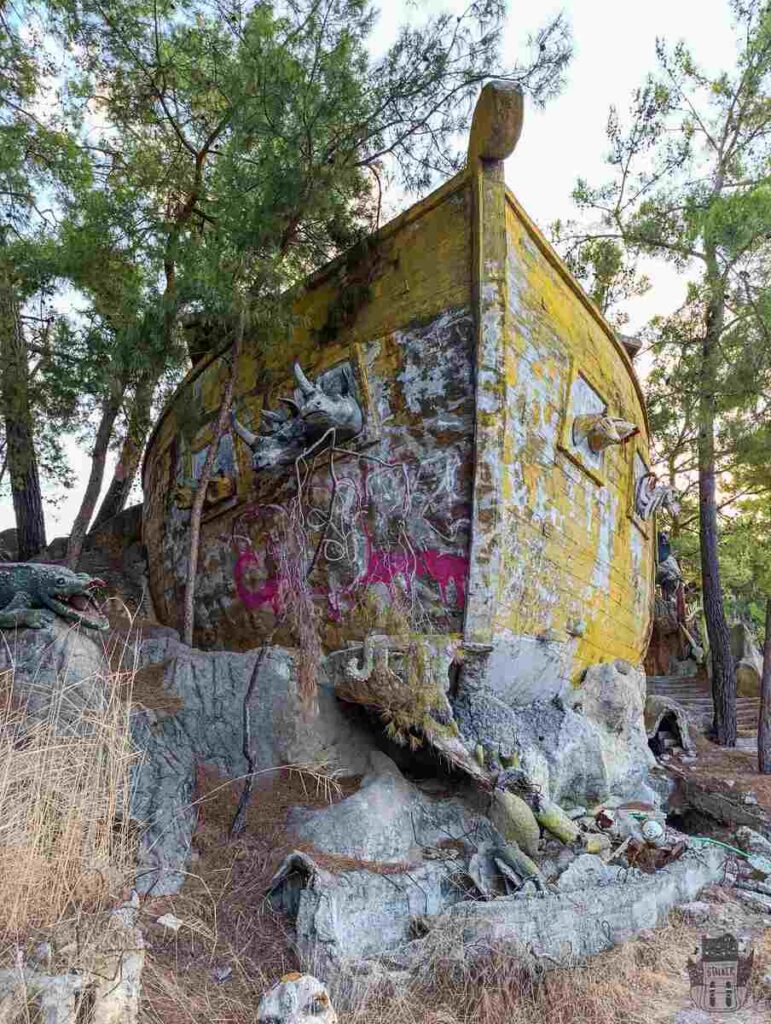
point(377, 877)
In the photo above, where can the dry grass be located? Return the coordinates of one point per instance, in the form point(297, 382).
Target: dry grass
point(228, 923)
point(65, 841)
point(643, 981)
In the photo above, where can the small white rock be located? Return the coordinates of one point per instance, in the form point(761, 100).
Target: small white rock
point(170, 921)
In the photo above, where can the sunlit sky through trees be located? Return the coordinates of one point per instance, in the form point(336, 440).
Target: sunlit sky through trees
point(614, 49)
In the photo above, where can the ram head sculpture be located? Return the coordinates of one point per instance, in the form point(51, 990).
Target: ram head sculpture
point(314, 411)
point(600, 431)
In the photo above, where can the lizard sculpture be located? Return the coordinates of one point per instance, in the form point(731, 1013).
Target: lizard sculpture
point(32, 593)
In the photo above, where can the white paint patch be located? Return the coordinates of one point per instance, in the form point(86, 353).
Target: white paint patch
point(607, 505)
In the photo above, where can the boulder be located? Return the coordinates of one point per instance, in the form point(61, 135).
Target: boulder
point(612, 698)
point(748, 660)
point(201, 720)
point(297, 999)
point(389, 821)
point(9, 545)
point(579, 749)
point(58, 669)
point(752, 842)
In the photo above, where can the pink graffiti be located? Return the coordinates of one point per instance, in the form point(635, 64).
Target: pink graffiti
point(382, 567)
point(385, 566)
point(267, 593)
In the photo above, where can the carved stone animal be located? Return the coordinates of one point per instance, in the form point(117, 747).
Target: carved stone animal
point(312, 412)
point(297, 999)
point(650, 496)
point(31, 594)
point(601, 431)
point(329, 408)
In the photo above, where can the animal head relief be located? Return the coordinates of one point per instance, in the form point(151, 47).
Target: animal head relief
point(600, 431)
point(31, 594)
point(650, 496)
point(328, 406)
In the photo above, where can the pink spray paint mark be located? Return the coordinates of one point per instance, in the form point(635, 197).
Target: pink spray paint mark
point(385, 566)
point(267, 593)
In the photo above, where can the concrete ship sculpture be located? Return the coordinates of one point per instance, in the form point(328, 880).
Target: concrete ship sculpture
point(452, 437)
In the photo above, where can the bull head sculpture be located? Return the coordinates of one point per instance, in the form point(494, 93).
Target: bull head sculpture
point(601, 431)
point(313, 411)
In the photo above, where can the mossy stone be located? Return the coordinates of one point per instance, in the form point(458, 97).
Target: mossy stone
point(515, 821)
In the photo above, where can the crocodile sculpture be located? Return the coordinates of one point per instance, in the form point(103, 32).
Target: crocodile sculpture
point(32, 593)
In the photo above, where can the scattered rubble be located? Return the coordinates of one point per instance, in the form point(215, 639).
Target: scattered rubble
point(363, 886)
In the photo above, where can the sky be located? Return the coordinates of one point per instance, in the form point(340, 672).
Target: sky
point(614, 50)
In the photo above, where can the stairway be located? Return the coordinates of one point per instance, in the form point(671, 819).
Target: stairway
point(696, 698)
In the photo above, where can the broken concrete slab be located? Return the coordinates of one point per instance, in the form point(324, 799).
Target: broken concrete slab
point(580, 922)
point(344, 915)
point(358, 913)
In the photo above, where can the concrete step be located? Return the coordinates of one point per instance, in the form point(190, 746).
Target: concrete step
point(695, 696)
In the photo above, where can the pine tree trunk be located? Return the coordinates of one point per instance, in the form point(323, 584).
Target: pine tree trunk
point(723, 675)
point(188, 608)
point(17, 418)
point(110, 411)
point(125, 473)
point(764, 719)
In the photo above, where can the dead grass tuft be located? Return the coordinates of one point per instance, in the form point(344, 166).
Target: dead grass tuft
point(642, 981)
point(65, 840)
point(228, 922)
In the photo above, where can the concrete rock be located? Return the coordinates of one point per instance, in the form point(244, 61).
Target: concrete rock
point(344, 917)
point(752, 842)
point(578, 749)
point(358, 913)
point(207, 691)
point(515, 821)
point(748, 660)
point(388, 820)
point(614, 702)
point(572, 922)
point(660, 711)
point(588, 871)
point(60, 666)
point(297, 999)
